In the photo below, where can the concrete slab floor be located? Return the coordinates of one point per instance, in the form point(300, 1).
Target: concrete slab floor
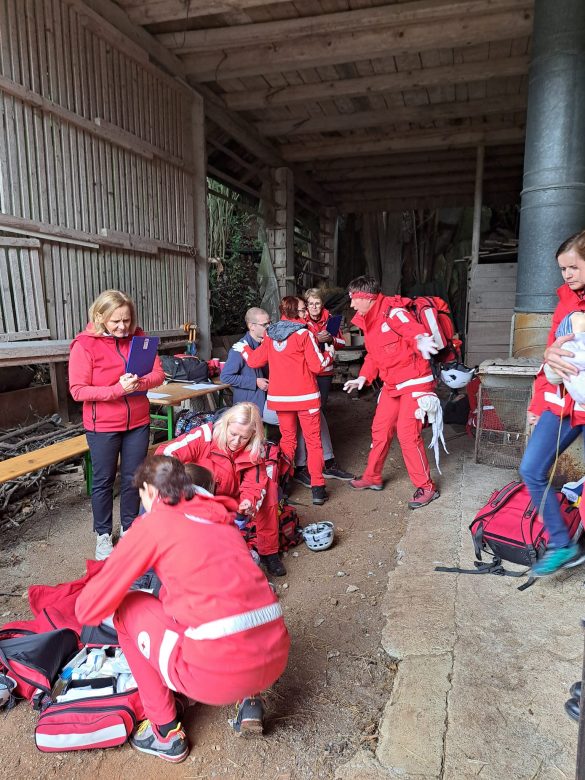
point(484, 668)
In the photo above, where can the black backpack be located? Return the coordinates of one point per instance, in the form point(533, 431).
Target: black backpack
point(187, 369)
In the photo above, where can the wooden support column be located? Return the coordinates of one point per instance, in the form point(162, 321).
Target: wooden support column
point(280, 234)
point(477, 205)
point(198, 276)
point(60, 389)
point(328, 243)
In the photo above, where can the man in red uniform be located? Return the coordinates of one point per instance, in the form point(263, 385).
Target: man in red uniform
point(398, 352)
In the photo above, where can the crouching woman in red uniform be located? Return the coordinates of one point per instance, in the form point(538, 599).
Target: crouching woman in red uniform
point(217, 633)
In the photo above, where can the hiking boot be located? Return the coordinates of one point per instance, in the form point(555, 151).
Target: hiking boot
point(249, 720)
point(103, 546)
point(572, 708)
point(302, 476)
point(273, 564)
point(556, 558)
point(147, 738)
point(332, 471)
point(364, 484)
point(319, 495)
point(422, 497)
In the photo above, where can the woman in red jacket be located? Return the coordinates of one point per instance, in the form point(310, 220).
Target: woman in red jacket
point(116, 413)
point(294, 359)
point(549, 412)
point(217, 633)
point(233, 450)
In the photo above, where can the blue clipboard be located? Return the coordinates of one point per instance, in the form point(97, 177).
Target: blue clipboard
point(142, 355)
point(333, 324)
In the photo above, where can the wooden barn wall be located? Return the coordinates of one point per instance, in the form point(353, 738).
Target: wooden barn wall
point(96, 160)
point(491, 297)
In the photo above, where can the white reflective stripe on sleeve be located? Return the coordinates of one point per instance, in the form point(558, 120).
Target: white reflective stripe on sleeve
point(554, 399)
point(321, 355)
point(400, 313)
point(422, 380)
point(287, 398)
point(200, 519)
point(313, 411)
point(579, 407)
point(434, 326)
point(89, 739)
point(216, 629)
point(167, 646)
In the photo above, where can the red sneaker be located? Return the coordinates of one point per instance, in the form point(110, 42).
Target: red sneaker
point(363, 484)
point(422, 497)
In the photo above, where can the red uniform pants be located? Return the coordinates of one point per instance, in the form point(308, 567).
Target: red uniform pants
point(310, 423)
point(152, 643)
point(266, 519)
point(395, 414)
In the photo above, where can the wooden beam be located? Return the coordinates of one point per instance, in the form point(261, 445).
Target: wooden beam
point(457, 166)
point(260, 34)
point(387, 83)
point(178, 10)
point(402, 142)
point(317, 167)
point(503, 104)
point(433, 202)
point(308, 52)
point(422, 182)
point(420, 189)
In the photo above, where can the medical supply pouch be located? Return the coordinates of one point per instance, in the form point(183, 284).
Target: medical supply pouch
point(34, 660)
point(95, 721)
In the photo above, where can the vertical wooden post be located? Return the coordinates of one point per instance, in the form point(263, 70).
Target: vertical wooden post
point(60, 389)
point(328, 242)
point(198, 276)
point(477, 205)
point(280, 234)
point(476, 233)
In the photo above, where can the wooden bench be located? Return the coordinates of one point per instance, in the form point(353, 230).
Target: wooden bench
point(48, 456)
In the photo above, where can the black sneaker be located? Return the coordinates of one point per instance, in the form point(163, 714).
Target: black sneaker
point(273, 564)
point(332, 471)
point(147, 739)
point(319, 495)
point(249, 720)
point(302, 476)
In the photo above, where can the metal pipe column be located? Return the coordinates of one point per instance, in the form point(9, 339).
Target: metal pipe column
point(553, 195)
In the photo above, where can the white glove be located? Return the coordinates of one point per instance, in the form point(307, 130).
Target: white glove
point(239, 346)
point(330, 349)
point(354, 384)
point(426, 346)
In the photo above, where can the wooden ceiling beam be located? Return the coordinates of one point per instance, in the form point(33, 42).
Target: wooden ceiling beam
point(387, 83)
point(403, 142)
point(263, 33)
point(317, 167)
point(142, 13)
point(425, 114)
point(430, 168)
point(433, 202)
point(422, 183)
point(313, 52)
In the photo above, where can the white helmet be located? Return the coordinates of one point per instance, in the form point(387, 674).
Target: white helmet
point(7, 685)
point(319, 536)
point(457, 375)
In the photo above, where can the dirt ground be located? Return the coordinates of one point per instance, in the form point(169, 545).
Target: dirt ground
point(328, 702)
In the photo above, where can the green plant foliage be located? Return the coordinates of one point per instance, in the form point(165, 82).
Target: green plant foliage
point(232, 277)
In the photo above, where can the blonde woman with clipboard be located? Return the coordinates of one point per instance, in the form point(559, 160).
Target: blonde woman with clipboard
point(116, 413)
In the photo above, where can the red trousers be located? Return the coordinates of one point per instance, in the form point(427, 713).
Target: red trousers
point(311, 427)
point(153, 642)
point(396, 415)
point(266, 519)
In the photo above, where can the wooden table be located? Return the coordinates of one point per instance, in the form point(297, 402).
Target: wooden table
point(175, 393)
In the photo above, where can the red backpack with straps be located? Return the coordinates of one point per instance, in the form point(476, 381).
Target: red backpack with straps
point(435, 315)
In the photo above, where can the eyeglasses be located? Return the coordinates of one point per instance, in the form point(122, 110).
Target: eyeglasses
point(302, 311)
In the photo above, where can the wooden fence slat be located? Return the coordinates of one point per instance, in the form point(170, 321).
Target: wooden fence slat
point(17, 291)
point(6, 293)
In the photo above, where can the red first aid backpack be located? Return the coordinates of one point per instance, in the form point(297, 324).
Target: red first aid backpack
point(434, 313)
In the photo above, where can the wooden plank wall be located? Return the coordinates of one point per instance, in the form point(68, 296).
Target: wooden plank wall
point(95, 159)
point(492, 292)
point(22, 307)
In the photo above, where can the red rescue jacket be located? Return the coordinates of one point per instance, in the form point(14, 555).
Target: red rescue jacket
point(207, 574)
point(236, 474)
point(547, 397)
point(316, 326)
point(389, 336)
point(294, 360)
point(95, 366)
